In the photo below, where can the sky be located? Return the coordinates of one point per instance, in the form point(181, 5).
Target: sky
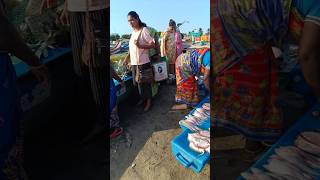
point(157, 13)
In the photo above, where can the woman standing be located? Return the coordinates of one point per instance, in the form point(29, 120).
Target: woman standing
point(11, 137)
point(168, 46)
point(188, 66)
point(139, 45)
point(246, 84)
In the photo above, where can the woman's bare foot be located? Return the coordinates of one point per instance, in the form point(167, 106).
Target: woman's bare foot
point(179, 107)
point(148, 105)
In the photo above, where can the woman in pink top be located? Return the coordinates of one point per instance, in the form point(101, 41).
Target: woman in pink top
point(139, 45)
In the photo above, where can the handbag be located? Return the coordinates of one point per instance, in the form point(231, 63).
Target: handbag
point(144, 74)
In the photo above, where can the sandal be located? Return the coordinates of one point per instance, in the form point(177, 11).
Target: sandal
point(116, 132)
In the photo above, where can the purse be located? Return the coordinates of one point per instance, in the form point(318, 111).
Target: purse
point(144, 74)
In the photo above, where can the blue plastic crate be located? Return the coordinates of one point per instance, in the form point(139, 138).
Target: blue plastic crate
point(186, 156)
point(206, 124)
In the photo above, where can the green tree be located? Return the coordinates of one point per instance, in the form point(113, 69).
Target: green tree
point(114, 37)
point(126, 36)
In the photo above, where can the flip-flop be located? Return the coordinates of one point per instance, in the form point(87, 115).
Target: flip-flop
point(116, 132)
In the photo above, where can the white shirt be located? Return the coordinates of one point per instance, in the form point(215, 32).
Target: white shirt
point(81, 5)
point(140, 56)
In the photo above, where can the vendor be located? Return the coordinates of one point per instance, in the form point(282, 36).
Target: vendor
point(190, 65)
point(11, 137)
point(139, 44)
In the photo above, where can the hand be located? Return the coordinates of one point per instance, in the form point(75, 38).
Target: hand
point(41, 73)
point(64, 17)
point(47, 4)
point(136, 42)
point(122, 84)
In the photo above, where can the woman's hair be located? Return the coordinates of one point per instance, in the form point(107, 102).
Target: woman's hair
point(172, 23)
point(136, 16)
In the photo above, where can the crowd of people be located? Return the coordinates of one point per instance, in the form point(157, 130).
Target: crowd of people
point(144, 49)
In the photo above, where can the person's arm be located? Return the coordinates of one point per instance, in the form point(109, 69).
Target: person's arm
point(150, 42)
point(309, 55)
point(206, 79)
point(126, 59)
point(115, 75)
point(11, 42)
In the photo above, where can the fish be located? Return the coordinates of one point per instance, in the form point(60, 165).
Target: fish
point(196, 148)
point(205, 133)
point(198, 141)
point(312, 136)
point(194, 120)
point(307, 146)
point(208, 149)
point(295, 158)
point(199, 115)
point(313, 161)
point(189, 125)
point(263, 175)
point(277, 165)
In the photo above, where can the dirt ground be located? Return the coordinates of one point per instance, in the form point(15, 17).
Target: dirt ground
point(143, 152)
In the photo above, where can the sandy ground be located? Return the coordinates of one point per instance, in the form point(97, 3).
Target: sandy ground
point(143, 152)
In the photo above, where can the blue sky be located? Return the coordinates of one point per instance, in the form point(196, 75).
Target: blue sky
point(157, 13)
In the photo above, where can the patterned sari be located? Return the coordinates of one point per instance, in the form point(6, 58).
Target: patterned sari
point(246, 85)
point(168, 45)
point(11, 150)
point(188, 65)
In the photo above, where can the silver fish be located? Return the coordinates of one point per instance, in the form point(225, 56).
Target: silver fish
point(312, 136)
point(277, 165)
point(307, 146)
point(296, 161)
